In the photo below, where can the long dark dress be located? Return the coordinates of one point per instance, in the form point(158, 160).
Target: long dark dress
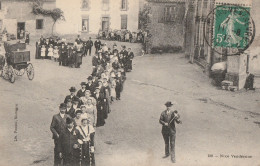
point(106, 90)
point(101, 114)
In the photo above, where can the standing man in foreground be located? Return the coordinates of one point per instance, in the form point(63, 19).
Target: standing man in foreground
point(57, 125)
point(168, 119)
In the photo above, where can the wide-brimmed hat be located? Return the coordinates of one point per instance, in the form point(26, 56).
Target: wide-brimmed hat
point(78, 111)
point(168, 104)
point(82, 106)
point(72, 89)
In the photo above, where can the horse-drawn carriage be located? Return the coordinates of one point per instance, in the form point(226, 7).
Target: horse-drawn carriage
point(17, 61)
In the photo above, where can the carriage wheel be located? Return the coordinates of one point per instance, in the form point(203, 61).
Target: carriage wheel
point(30, 71)
point(11, 74)
point(19, 72)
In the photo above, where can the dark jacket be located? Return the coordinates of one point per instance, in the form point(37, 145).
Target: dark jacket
point(95, 61)
point(57, 125)
point(89, 43)
point(69, 97)
point(67, 140)
point(164, 118)
point(91, 87)
point(80, 93)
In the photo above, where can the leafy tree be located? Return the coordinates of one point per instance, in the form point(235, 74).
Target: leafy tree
point(144, 17)
point(56, 14)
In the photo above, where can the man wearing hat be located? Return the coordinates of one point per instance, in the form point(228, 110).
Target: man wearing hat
point(95, 61)
point(89, 45)
point(90, 86)
point(72, 95)
point(69, 147)
point(57, 125)
point(81, 92)
point(168, 119)
point(97, 45)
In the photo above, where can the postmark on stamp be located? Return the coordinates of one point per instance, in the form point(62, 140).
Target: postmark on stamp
point(233, 29)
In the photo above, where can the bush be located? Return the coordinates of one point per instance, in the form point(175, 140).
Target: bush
point(165, 49)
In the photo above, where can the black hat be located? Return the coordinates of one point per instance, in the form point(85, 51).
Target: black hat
point(83, 83)
point(69, 120)
point(89, 78)
point(72, 89)
point(63, 105)
point(168, 104)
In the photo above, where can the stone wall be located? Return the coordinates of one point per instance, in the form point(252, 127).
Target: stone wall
point(164, 33)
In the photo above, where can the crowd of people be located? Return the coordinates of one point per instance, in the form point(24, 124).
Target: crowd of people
point(65, 53)
point(123, 35)
point(83, 111)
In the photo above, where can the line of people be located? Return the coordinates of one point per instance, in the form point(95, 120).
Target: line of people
point(66, 53)
point(82, 111)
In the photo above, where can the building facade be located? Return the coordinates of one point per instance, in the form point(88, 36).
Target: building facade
point(166, 23)
point(90, 16)
point(17, 16)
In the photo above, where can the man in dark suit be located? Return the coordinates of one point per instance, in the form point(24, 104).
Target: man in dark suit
point(69, 147)
point(129, 59)
point(168, 119)
point(90, 86)
point(72, 95)
point(81, 92)
point(89, 45)
point(97, 45)
point(95, 61)
point(78, 40)
point(57, 125)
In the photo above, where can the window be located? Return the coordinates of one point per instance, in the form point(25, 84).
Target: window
point(123, 4)
point(170, 13)
point(123, 21)
point(39, 24)
point(105, 5)
point(85, 24)
point(85, 4)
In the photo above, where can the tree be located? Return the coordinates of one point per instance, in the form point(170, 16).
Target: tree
point(56, 14)
point(144, 17)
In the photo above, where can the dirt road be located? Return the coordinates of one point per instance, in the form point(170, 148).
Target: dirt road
point(214, 121)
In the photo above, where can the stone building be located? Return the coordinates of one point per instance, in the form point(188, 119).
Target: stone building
point(166, 22)
point(16, 15)
point(90, 16)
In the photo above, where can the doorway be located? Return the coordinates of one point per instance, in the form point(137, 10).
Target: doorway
point(105, 23)
point(20, 30)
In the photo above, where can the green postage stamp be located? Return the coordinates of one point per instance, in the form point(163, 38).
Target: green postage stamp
point(232, 27)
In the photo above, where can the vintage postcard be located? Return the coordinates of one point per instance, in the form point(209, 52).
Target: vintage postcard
point(129, 83)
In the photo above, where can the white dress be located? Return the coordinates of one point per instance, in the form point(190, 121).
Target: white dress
point(113, 90)
point(43, 52)
point(56, 53)
point(50, 52)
